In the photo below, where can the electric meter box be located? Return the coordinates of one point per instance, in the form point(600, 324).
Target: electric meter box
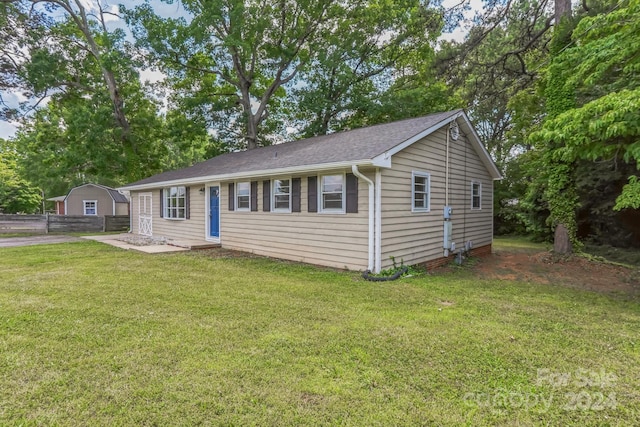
point(447, 212)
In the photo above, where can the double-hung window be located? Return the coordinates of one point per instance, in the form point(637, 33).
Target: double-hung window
point(420, 191)
point(243, 196)
point(282, 195)
point(476, 195)
point(90, 207)
point(332, 193)
point(175, 202)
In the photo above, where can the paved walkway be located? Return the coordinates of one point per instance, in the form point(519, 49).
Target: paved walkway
point(9, 242)
point(112, 239)
point(109, 239)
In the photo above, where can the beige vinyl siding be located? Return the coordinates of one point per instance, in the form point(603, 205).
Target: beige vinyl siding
point(416, 237)
point(333, 240)
point(122, 209)
point(192, 228)
point(75, 205)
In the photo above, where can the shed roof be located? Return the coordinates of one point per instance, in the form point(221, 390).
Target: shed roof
point(117, 196)
point(357, 146)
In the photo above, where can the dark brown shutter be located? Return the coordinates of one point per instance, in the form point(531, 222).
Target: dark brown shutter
point(161, 203)
point(254, 196)
point(312, 193)
point(187, 202)
point(352, 193)
point(266, 196)
point(232, 197)
point(296, 184)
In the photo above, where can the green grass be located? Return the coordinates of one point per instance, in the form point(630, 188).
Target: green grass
point(92, 335)
point(518, 244)
point(628, 257)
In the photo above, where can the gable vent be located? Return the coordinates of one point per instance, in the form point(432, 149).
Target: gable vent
point(454, 130)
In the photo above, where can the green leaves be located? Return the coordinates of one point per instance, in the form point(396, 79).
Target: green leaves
point(630, 196)
point(17, 195)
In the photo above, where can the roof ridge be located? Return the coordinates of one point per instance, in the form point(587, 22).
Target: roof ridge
point(316, 138)
point(362, 144)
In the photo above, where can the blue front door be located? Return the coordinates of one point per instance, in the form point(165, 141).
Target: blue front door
point(214, 211)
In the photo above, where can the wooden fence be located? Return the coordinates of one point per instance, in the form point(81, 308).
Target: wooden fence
point(62, 223)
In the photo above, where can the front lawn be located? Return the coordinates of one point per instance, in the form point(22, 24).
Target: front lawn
point(93, 335)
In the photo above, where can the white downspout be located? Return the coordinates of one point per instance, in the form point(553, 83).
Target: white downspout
point(356, 172)
point(378, 222)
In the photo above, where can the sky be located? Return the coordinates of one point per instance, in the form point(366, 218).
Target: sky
point(8, 129)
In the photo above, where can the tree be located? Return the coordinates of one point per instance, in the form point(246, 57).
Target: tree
point(16, 194)
point(368, 58)
point(235, 62)
point(95, 40)
point(494, 72)
point(601, 123)
point(98, 122)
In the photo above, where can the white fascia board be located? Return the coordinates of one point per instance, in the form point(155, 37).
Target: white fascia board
point(484, 154)
point(249, 174)
point(385, 158)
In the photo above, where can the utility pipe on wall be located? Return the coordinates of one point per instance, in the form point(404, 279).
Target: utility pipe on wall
point(446, 173)
point(356, 172)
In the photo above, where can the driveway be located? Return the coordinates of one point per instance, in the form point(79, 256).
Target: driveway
point(8, 242)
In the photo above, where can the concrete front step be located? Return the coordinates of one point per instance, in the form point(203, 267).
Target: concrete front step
point(193, 244)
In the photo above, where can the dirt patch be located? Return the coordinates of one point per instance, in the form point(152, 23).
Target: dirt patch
point(572, 271)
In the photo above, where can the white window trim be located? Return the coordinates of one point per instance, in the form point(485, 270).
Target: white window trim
point(273, 195)
point(165, 204)
point(237, 188)
point(344, 195)
point(84, 207)
point(479, 195)
point(427, 175)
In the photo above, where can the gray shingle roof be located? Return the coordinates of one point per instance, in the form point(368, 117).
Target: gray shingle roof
point(353, 145)
point(117, 196)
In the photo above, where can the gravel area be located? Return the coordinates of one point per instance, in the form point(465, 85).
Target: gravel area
point(137, 240)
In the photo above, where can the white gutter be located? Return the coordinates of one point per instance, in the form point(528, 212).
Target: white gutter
point(356, 172)
point(248, 174)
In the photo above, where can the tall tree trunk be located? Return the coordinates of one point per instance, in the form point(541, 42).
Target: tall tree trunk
point(558, 101)
point(562, 9)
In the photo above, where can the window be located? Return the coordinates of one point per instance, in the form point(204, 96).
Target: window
point(332, 193)
point(90, 207)
point(420, 192)
point(243, 196)
point(282, 195)
point(175, 203)
point(476, 195)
